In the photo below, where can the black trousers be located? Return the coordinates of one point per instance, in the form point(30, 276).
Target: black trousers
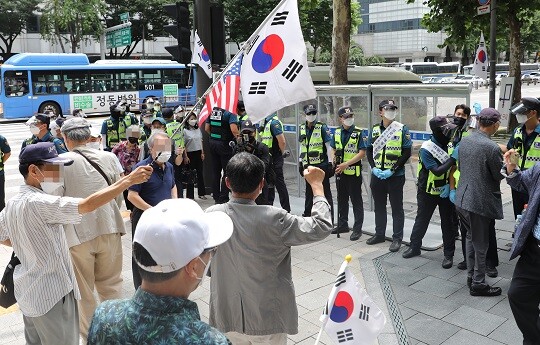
point(221, 153)
point(135, 216)
point(350, 186)
point(426, 204)
point(524, 293)
point(178, 180)
point(195, 162)
point(393, 189)
point(327, 193)
point(129, 205)
point(2, 191)
point(277, 166)
point(518, 201)
point(492, 256)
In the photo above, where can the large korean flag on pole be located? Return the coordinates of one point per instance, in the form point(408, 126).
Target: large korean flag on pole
point(200, 56)
point(274, 71)
point(480, 66)
point(350, 316)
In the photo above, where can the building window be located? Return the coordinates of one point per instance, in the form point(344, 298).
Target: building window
point(32, 25)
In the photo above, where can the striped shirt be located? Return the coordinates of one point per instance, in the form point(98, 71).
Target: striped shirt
point(32, 221)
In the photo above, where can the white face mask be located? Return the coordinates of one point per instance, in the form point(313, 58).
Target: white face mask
point(93, 145)
point(157, 130)
point(148, 120)
point(349, 122)
point(34, 130)
point(52, 187)
point(390, 114)
point(521, 118)
point(206, 267)
point(164, 156)
point(192, 122)
point(311, 118)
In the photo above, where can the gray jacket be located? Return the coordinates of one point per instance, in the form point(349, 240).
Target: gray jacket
point(252, 291)
point(479, 189)
point(526, 182)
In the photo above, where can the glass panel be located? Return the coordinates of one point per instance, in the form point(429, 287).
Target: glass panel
point(76, 81)
point(16, 83)
point(177, 76)
point(126, 81)
point(101, 81)
point(47, 82)
point(150, 79)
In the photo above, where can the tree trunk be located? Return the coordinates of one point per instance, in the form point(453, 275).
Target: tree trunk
point(315, 49)
point(515, 53)
point(341, 40)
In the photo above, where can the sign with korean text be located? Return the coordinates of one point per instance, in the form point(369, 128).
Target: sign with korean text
point(118, 38)
point(100, 102)
point(170, 92)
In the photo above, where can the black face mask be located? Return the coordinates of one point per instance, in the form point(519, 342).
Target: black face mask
point(133, 140)
point(442, 135)
point(459, 121)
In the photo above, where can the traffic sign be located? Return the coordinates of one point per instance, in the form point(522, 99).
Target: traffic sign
point(170, 92)
point(124, 17)
point(118, 38)
point(483, 9)
point(483, 2)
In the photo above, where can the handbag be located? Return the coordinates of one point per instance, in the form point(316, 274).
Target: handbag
point(7, 289)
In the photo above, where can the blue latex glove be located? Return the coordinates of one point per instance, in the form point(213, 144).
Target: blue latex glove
point(386, 174)
point(377, 172)
point(445, 191)
point(453, 196)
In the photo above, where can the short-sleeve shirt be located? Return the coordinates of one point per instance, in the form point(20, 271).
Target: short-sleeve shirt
point(159, 185)
point(128, 157)
point(427, 158)
point(325, 132)
point(227, 117)
point(58, 144)
point(346, 135)
point(406, 143)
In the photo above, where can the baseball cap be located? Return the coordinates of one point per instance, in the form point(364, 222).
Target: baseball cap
point(95, 131)
point(176, 231)
point(42, 152)
point(387, 102)
point(247, 126)
point(241, 105)
point(310, 108)
point(440, 121)
point(161, 120)
point(526, 104)
point(150, 100)
point(489, 114)
point(345, 111)
point(43, 118)
point(75, 123)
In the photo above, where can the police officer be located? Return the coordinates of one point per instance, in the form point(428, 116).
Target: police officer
point(434, 165)
point(349, 149)
point(248, 143)
point(241, 111)
point(526, 141)
point(113, 129)
point(175, 132)
point(149, 105)
point(146, 125)
point(388, 151)
point(222, 126)
point(39, 127)
point(315, 150)
point(273, 137)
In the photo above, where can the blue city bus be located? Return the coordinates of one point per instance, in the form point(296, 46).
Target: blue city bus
point(32, 83)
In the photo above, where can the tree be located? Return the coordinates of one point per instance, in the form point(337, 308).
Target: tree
point(13, 17)
point(341, 40)
point(316, 21)
point(71, 21)
point(243, 20)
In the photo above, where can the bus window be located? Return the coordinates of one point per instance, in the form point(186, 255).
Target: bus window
point(150, 79)
point(126, 81)
point(15, 83)
point(76, 81)
point(47, 82)
point(102, 81)
point(177, 76)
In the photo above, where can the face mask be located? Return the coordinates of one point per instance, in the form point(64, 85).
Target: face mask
point(192, 122)
point(122, 109)
point(311, 118)
point(164, 156)
point(459, 121)
point(34, 130)
point(390, 114)
point(521, 118)
point(206, 267)
point(52, 187)
point(93, 145)
point(349, 122)
point(157, 130)
point(133, 140)
point(147, 120)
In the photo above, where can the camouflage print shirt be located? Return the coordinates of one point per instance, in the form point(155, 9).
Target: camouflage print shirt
point(151, 319)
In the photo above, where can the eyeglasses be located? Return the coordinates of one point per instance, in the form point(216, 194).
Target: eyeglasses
point(212, 251)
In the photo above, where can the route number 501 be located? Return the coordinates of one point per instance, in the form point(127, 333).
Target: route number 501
point(149, 87)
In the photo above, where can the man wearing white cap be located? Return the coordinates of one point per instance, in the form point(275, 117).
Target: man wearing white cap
point(173, 251)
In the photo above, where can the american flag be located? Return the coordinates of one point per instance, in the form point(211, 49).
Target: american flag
point(225, 92)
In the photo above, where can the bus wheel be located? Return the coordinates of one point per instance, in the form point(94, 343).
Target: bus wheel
point(50, 106)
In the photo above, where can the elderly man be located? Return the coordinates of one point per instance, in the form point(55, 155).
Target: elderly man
point(478, 197)
point(159, 187)
point(252, 292)
point(95, 246)
point(45, 283)
point(173, 251)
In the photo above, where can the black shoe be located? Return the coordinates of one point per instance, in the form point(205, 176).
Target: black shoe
point(410, 253)
point(492, 272)
point(487, 291)
point(469, 282)
point(375, 240)
point(447, 262)
point(394, 247)
point(355, 235)
point(339, 230)
point(462, 265)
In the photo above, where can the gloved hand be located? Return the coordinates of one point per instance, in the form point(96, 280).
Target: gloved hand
point(445, 191)
point(330, 171)
point(453, 196)
point(386, 174)
point(301, 169)
point(377, 172)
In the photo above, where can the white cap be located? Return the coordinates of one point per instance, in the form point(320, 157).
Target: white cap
point(176, 231)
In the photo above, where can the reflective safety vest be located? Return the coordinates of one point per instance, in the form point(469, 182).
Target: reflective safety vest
point(350, 150)
point(434, 183)
point(266, 136)
point(450, 151)
point(529, 158)
point(219, 128)
point(178, 137)
point(312, 148)
point(243, 117)
point(114, 135)
point(391, 152)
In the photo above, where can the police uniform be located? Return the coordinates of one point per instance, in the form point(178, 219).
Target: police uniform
point(392, 157)
point(349, 142)
point(221, 135)
point(271, 129)
point(4, 149)
point(58, 144)
point(114, 128)
point(313, 151)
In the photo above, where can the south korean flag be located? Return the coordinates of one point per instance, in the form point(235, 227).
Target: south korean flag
point(274, 71)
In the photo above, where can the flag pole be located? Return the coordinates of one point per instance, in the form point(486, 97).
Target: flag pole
point(348, 259)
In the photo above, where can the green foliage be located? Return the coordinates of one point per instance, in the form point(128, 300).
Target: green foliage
point(13, 17)
point(244, 17)
point(356, 56)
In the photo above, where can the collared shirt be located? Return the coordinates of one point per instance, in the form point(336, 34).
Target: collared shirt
point(58, 144)
point(527, 139)
point(159, 185)
point(81, 180)
point(32, 221)
point(346, 135)
point(151, 319)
